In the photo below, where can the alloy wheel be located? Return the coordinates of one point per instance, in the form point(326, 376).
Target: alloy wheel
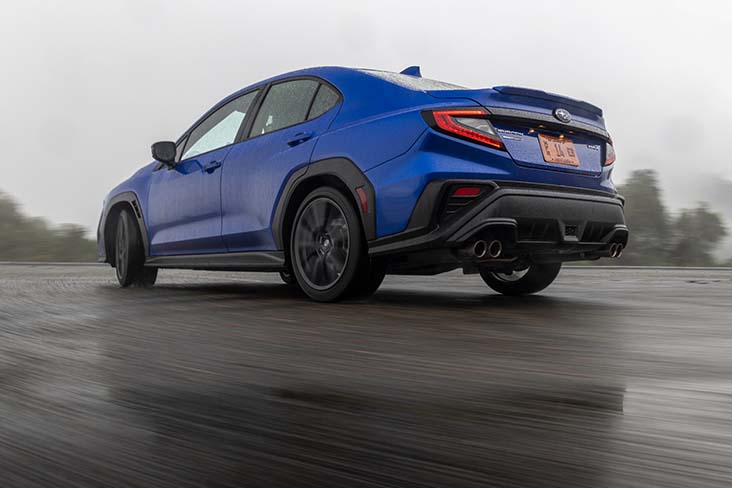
point(321, 243)
point(511, 277)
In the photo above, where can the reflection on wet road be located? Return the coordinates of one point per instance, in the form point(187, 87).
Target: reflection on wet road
point(610, 378)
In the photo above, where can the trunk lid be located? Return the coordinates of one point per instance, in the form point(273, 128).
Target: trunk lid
point(522, 115)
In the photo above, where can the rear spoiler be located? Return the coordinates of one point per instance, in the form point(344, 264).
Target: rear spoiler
point(529, 92)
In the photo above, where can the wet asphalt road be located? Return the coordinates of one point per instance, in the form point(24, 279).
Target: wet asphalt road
point(610, 378)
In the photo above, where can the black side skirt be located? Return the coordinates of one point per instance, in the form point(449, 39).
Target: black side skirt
point(236, 261)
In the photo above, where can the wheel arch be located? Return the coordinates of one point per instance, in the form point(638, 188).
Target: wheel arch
point(129, 201)
point(340, 173)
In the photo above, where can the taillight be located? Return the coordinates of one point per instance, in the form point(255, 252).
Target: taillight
point(609, 153)
point(470, 124)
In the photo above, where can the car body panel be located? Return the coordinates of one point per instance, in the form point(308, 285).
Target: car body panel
point(184, 207)
point(437, 156)
point(492, 98)
point(254, 175)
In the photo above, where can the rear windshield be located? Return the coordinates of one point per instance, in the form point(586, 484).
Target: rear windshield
point(412, 82)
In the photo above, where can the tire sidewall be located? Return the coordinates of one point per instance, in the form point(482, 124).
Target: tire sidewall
point(354, 262)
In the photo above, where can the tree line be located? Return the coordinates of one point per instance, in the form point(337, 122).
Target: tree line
point(657, 238)
point(34, 239)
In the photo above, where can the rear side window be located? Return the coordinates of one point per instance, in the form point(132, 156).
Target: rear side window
point(325, 99)
point(286, 104)
point(220, 128)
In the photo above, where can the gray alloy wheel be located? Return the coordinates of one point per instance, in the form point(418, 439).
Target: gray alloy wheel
point(512, 276)
point(327, 247)
point(322, 243)
point(532, 279)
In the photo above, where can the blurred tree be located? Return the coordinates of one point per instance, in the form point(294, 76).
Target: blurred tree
point(647, 219)
point(697, 232)
point(33, 239)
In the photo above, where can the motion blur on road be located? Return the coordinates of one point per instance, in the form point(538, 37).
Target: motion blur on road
point(619, 378)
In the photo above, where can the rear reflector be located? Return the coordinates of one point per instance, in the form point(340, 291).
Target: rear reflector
point(470, 124)
point(466, 191)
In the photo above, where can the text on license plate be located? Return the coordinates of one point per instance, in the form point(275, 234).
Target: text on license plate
point(558, 150)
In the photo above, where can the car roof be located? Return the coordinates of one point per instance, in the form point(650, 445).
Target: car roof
point(385, 90)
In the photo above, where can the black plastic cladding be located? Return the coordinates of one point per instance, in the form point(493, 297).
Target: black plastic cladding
point(343, 169)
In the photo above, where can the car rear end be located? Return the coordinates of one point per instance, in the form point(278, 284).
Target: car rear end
point(506, 176)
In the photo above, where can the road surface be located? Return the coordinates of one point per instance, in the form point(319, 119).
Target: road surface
point(610, 378)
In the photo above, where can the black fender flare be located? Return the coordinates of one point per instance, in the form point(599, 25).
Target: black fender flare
point(344, 170)
point(131, 199)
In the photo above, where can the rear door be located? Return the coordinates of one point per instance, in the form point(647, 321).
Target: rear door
point(184, 203)
point(280, 140)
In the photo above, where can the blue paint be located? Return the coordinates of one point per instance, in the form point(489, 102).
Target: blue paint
point(379, 126)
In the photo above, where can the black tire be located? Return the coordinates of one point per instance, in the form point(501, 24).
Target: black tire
point(532, 280)
point(327, 246)
point(369, 281)
point(288, 278)
point(129, 254)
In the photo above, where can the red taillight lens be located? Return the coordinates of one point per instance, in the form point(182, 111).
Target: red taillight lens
point(609, 154)
point(470, 124)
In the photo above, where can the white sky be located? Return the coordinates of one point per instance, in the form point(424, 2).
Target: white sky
point(87, 86)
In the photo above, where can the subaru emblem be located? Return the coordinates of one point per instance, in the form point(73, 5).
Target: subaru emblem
point(563, 115)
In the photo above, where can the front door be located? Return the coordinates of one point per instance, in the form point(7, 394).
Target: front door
point(184, 206)
point(184, 203)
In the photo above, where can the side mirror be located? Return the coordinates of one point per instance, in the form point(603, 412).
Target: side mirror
point(164, 152)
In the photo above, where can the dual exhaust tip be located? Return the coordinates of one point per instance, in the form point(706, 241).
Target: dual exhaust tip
point(616, 250)
point(493, 249)
point(482, 249)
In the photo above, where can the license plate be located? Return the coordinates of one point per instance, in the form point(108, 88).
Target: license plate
point(558, 150)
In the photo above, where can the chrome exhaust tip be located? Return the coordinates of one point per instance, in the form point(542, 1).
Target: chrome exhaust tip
point(494, 249)
point(480, 248)
point(616, 250)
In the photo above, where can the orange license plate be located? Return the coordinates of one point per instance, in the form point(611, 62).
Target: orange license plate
point(558, 150)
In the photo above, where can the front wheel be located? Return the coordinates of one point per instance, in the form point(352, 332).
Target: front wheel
point(129, 254)
point(327, 246)
point(532, 279)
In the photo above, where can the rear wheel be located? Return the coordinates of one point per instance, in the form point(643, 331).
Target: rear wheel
point(327, 247)
point(532, 279)
point(129, 255)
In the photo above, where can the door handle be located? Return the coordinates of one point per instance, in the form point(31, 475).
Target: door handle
point(299, 138)
point(212, 166)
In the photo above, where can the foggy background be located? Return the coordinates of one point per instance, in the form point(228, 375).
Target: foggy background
point(87, 86)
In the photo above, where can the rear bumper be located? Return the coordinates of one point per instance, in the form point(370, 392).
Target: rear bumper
point(531, 220)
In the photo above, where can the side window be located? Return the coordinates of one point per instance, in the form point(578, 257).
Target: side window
point(220, 128)
point(324, 101)
point(286, 104)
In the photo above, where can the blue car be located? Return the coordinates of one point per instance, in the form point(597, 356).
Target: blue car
point(334, 177)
